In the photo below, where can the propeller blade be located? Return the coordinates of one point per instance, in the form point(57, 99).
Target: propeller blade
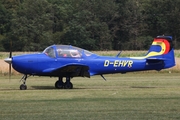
point(9, 72)
point(10, 57)
point(10, 54)
point(10, 50)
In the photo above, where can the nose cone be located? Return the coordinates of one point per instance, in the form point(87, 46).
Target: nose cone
point(8, 60)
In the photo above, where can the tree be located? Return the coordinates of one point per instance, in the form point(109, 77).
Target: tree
point(128, 24)
point(92, 24)
point(5, 18)
point(163, 18)
point(88, 26)
point(32, 25)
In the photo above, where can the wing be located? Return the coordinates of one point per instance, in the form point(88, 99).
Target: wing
point(71, 70)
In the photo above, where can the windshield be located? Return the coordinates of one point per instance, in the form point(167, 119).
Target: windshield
point(50, 52)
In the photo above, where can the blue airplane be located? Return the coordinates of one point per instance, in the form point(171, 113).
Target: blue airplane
point(69, 61)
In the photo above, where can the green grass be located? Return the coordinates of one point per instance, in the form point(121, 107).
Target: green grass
point(129, 96)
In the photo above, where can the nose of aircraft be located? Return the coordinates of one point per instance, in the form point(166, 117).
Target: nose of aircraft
point(8, 60)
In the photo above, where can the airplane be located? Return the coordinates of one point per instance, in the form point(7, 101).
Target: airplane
point(66, 61)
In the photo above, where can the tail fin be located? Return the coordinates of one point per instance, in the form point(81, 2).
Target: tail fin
point(162, 50)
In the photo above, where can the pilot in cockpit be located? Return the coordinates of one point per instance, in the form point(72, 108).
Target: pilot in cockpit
point(61, 53)
point(68, 53)
point(74, 53)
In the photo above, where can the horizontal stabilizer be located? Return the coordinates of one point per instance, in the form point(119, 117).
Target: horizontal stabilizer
point(155, 61)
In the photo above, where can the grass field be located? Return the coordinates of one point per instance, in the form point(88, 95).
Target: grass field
point(131, 96)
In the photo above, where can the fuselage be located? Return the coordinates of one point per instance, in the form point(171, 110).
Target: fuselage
point(40, 64)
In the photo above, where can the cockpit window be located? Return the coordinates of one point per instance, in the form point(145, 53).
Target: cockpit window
point(75, 53)
point(67, 51)
point(50, 52)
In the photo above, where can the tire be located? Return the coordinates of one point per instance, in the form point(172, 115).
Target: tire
point(59, 85)
point(68, 85)
point(23, 87)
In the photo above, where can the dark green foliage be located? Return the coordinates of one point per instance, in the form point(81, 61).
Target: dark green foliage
point(32, 25)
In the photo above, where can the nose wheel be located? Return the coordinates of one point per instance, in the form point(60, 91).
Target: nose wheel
point(23, 86)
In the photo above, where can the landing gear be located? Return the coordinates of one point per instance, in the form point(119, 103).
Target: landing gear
point(68, 84)
point(60, 84)
point(23, 86)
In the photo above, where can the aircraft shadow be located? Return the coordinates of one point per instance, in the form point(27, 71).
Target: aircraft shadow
point(43, 87)
point(49, 88)
point(145, 87)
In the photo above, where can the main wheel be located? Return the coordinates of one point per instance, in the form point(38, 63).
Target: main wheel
point(23, 87)
point(59, 85)
point(68, 85)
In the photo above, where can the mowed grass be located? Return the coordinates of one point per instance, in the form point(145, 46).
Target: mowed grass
point(130, 96)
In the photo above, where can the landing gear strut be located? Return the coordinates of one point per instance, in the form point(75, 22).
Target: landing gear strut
point(23, 86)
point(60, 84)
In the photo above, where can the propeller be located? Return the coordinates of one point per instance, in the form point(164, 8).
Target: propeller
point(9, 60)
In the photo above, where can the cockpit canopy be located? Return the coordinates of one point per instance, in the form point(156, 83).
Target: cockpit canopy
point(66, 51)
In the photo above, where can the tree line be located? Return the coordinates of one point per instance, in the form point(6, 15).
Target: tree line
point(32, 25)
